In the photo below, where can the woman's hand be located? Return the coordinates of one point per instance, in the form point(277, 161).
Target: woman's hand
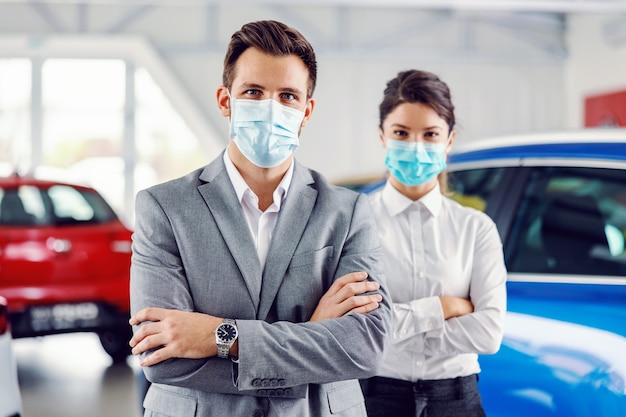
point(455, 306)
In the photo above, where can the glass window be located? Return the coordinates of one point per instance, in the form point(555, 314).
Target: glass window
point(15, 93)
point(71, 205)
point(166, 147)
point(84, 111)
point(83, 104)
point(473, 187)
point(571, 221)
point(22, 206)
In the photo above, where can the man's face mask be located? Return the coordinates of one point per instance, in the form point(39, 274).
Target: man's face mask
point(265, 131)
point(415, 163)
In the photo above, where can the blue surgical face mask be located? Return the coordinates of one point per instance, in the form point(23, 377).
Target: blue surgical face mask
point(415, 163)
point(265, 131)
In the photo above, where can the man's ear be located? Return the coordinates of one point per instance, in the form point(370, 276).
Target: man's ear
point(308, 111)
point(223, 101)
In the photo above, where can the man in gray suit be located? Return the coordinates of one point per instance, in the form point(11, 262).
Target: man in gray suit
point(256, 286)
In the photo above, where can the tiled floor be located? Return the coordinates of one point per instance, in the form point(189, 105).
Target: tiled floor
point(71, 376)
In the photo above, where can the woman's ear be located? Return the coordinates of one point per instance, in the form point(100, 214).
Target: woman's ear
point(381, 136)
point(223, 101)
point(450, 141)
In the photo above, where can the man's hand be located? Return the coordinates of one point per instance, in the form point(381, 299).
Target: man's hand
point(343, 297)
point(455, 306)
point(180, 334)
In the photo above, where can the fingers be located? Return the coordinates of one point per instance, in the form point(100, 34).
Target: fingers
point(347, 294)
point(361, 303)
point(345, 280)
point(357, 288)
point(147, 314)
point(367, 308)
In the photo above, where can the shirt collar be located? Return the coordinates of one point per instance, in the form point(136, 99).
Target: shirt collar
point(395, 202)
point(240, 185)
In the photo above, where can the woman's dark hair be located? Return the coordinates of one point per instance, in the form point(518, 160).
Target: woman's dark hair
point(414, 86)
point(274, 38)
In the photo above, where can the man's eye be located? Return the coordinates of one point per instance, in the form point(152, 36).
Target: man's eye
point(288, 96)
point(252, 92)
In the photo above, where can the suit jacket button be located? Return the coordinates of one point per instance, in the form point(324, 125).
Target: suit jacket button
point(256, 382)
point(281, 382)
point(265, 383)
point(262, 392)
point(288, 391)
point(273, 383)
point(280, 392)
point(271, 392)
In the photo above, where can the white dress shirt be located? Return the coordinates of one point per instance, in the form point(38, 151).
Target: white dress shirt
point(434, 247)
point(261, 223)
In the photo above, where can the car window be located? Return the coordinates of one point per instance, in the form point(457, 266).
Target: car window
point(571, 221)
point(29, 205)
point(21, 207)
point(71, 205)
point(473, 187)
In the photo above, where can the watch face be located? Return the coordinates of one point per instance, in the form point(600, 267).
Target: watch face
point(226, 332)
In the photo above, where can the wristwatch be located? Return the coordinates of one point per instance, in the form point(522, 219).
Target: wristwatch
point(225, 335)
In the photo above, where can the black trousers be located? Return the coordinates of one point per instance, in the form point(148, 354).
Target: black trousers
point(456, 397)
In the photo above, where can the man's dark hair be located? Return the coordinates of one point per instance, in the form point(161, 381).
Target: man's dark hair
point(273, 38)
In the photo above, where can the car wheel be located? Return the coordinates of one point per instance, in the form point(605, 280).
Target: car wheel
point(115, 343)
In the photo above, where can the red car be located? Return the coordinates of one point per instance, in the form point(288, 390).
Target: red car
point(64, 262)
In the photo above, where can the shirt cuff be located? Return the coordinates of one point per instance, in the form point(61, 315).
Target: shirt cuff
point(428, 314)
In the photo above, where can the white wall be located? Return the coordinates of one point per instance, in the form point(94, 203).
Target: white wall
point(490, 99)
point(595, 65)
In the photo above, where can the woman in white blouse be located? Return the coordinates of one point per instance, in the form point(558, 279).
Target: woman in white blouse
point(443, 262)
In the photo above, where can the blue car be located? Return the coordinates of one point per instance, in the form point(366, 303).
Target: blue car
point(559, 201)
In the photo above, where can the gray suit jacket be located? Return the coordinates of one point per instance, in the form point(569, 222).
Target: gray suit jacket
point(192, 250)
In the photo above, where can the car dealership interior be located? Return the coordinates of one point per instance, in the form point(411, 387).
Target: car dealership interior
point(120, 95)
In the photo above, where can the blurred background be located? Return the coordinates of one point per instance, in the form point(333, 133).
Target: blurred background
point(120, 95)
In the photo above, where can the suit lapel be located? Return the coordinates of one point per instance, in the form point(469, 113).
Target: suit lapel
point(292, 220)
point(220, 197)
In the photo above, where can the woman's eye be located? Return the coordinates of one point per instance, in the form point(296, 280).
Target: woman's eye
point(432, 135)
point(400, 133)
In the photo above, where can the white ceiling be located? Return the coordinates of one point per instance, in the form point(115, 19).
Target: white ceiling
point(538, 24)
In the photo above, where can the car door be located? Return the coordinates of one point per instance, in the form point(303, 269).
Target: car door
point(563, 230)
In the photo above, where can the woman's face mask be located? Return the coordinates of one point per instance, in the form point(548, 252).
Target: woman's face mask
point(265, 131)
point(415, 163)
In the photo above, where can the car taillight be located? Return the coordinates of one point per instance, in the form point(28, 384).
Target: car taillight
point(4, 320)
point(121, 244)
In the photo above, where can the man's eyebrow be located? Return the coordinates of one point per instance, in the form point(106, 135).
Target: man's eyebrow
point(252, 86)
point(292, 90)
point(255, 86)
